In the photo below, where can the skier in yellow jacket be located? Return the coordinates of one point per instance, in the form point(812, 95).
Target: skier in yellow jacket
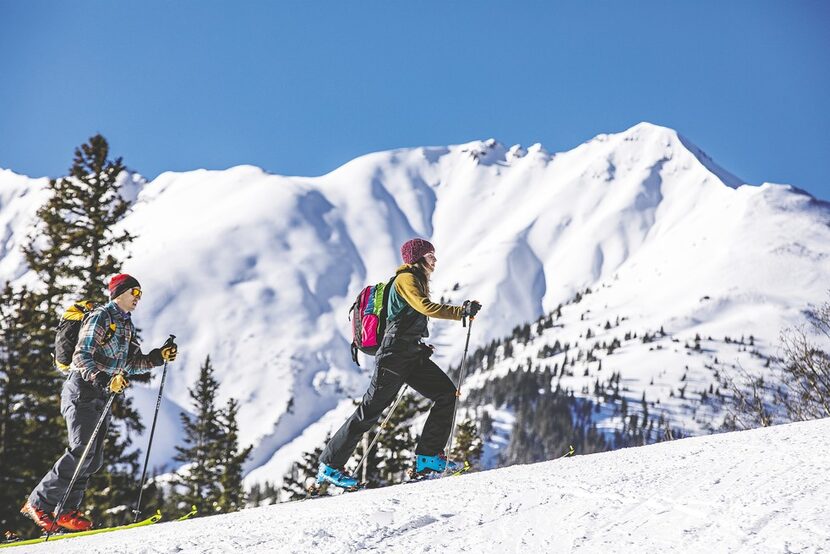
point(403, 358)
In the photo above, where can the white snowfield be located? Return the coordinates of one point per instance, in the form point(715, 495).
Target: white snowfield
point(765, 490)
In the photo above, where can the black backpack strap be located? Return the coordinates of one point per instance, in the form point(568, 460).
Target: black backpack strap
point(386, 291)
point(355, 304)
point(354, 354)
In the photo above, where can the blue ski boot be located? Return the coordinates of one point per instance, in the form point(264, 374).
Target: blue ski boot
point(424, 465)
point(335, 477)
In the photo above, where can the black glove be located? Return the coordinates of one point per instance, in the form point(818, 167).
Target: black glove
point(427, 349)
point(470, 308)
point(102, 380)
point(167, 352)
point(169, 349)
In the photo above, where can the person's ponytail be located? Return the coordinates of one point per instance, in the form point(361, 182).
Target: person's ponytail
point(422, 274)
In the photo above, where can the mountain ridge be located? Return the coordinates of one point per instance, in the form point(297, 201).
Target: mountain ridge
point(258, 270)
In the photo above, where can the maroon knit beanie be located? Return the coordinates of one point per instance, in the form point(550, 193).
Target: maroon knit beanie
point(121, 283)
point(415, 249)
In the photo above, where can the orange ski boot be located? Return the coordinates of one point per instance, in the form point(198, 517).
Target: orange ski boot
point(42, 518)
point(74, 520)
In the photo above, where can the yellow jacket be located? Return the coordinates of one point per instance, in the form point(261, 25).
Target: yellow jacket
point(408, 289)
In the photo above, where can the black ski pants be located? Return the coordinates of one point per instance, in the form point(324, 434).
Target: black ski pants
point(423, 376)
point(82, 405)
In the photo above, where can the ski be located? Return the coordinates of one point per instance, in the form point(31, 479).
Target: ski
point(189, 514)
point(417, 478)
point(464, 469)
point(155, 518)
point(319, 491)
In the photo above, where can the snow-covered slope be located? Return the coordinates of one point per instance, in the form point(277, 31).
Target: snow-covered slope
point(259, 270)
point(754, 491)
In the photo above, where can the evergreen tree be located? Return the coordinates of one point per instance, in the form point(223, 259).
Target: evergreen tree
point(77, 246)
point(32, 431)
point(547, 421)
point(263, 494)
point(199, 482)
point(486, 424)
point(295, 483)
point(233, 496)
point(467, 443)
point(212, 478)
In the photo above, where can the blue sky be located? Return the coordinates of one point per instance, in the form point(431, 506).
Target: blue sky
point(300, 88)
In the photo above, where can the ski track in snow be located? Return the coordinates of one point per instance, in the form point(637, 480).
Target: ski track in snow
point(757, 491)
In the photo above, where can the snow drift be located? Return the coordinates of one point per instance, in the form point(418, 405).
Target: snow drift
point(754, 491)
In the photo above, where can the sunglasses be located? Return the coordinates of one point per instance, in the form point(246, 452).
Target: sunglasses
point(136, 292)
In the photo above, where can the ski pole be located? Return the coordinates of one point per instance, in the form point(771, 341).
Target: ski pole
point(101, 419)
point(458, 392)
point(382, 425)
point(137, 510)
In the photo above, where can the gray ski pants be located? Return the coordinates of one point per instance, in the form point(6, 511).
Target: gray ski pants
point(81, 405)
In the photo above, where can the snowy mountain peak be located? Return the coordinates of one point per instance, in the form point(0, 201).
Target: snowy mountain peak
point(657, 144)
point(516, 152)
point(537, 148)
point(647, 131)
point(486, 152)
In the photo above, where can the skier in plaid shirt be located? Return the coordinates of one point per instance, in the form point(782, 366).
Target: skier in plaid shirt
point(106, 353)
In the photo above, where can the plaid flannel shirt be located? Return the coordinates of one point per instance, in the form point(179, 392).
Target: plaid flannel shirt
point(121, 352)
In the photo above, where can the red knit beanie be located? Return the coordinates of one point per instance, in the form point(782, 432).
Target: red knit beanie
point(122, 283)
point(415, 249)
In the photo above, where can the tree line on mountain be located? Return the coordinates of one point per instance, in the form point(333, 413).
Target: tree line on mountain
point(637, 424)
point(796, 389)
point(73, 246)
